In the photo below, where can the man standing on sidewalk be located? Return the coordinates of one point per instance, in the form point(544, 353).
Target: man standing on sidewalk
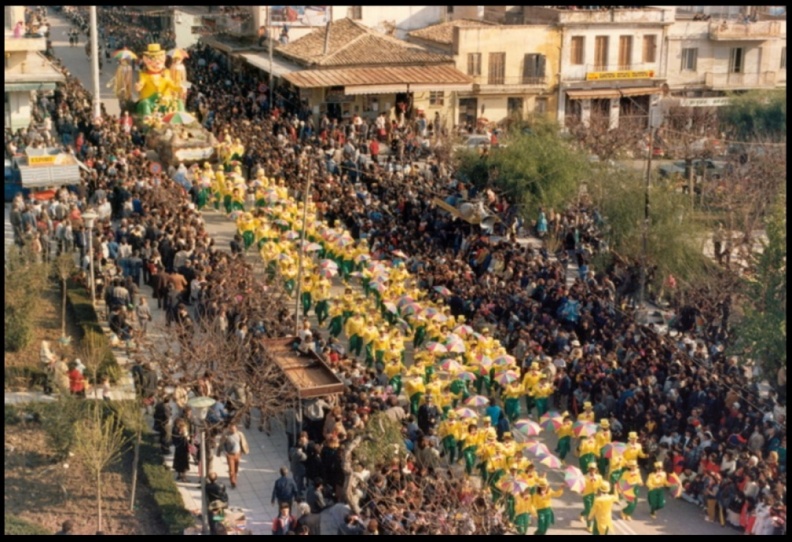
point(233, 444)
point(285, 489)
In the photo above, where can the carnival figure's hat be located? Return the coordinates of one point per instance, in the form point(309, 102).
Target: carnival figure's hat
point(154, 49)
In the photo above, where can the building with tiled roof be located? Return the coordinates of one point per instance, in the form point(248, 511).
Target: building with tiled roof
point(441, 36)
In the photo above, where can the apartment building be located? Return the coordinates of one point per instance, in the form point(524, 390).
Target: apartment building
point(730, 50)
point(514, 67)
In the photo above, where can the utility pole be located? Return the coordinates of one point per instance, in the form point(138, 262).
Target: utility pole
point(97, 110)
point(269, 33)
point(298, 286)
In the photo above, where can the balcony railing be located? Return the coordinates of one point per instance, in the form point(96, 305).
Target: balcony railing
point(740, 80)
point(512, 81)
point(760, 30)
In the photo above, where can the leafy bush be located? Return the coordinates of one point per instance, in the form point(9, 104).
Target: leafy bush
point(163, 487)
point(24, 376)
point(24, 281)
point(82, 310)
point(17, 526)
point(58, 421)
point(12, 416)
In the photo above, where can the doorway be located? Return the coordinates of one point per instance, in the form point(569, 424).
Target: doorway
point(468, 111)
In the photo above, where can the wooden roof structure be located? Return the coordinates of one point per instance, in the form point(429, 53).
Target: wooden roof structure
point(308, 373)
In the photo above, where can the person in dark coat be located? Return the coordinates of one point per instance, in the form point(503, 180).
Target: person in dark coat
point(162, 424)
point(428, 414)
point(181, 450)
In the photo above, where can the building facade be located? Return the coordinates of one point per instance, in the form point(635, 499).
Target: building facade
point(26, 70)
point(711, 58)
point(514, 67)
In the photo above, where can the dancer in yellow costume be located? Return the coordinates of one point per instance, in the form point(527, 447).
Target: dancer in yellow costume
point(602, 510)
point(656, 484)
point(155, 87)
point(542, 501)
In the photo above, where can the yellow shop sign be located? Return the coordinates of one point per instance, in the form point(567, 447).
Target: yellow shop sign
point(46, 160)
point(610, 76)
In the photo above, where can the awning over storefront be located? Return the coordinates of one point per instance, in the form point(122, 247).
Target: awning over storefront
point(593, 94)
point(639, 91)
point(279, 68)
point(20, 87)
point(383, 80)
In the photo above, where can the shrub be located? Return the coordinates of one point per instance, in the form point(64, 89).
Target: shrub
point(17, 526)
point(84, 314)
point(24, 281)
point(163, 487)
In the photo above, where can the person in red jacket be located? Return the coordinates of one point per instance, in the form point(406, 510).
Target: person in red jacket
point(374, 150)
point(76, 380)
point(285, 522)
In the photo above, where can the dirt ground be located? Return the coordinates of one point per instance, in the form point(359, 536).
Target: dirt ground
point(47, 327)
point(46, 492)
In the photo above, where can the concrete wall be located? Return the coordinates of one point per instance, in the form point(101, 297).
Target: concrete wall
point(761, 57)
point(182, 28)
point(19, 109)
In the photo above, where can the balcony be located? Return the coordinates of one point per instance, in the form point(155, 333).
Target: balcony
point(737, 81)
point(550, 15)
point(15, 45)
point(758, 31)
point(510, 84)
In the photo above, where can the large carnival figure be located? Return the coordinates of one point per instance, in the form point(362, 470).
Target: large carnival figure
point(157, 90)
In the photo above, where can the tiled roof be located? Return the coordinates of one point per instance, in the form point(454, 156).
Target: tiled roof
point(352, 44)
point(413, 75)
point(444, 32)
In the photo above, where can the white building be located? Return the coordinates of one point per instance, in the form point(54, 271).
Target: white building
point(26, 70)
point(716, 56)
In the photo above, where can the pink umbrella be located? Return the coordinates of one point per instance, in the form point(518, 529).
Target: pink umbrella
point(442, 290)
point(399, 254)
point(551, 461)
point(362, 258)
point(412, 308)
point(327, 263)
point(506, 377)
point(537, 448)
point(328, 272)
point(466, 376)
point(312, 247)
point(463, 330)
point(466, 413)
point(551, 414)
point(575, 481)
point(614, 448)
point(291, 235)
point(440, 317)
point(551, 424)
point(436, 348)
point(451, 365)
point(391, 307)
point(456, 347)
point(584, 429)
point(404, 300)
point(379, 287)
point(527, 427)
point(477, 401)
point(505, 360)
point(431, 311)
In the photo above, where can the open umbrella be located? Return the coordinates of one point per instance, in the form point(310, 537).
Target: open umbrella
point(551, 424)
point(328, 263)
point(506, 377)
point(379, 287)
point(431, 311)
point(584, 429)
point(451, 365)
point(675, 485)
point(442, 290)
point(399, 254)
point(550, 414)
point(124, 54)
point(178, 117)
point(463, 330)
point(362, 258)
point(440, 317)
point(412, 308)
point(291, 235)
point(467, 376)
point(466, 413)
point(313, 247)
point(328, 272)
point(536, 448)
point(575, 481)
point(527, 427)
point(626, 489)
point(235, 214)
point(614, 448)
point(477, 401)
point(404, 300)
point(551, 461)
point(390, 306)
point(514, 485)
point(282, 222)
point(505, 359)
point(457, 347)
point(436, 348)
point(178, 53)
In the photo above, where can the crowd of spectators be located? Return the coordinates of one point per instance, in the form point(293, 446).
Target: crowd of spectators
point(693, 406)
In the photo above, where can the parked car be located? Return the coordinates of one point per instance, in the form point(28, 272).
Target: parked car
point(476, 141)
point(705, 146)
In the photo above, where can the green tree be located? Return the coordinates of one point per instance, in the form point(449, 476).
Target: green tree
point(25, 279)
point(536, 169)
point(674, 239)
point(755, 114)
point(761, 334)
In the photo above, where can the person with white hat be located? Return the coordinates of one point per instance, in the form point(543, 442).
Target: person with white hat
point(656, 484)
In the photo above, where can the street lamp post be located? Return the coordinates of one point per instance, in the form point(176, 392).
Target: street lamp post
point(90, 217)
point(655, 120)
point(95, 63)
point(200, 407)
point(308, 180)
